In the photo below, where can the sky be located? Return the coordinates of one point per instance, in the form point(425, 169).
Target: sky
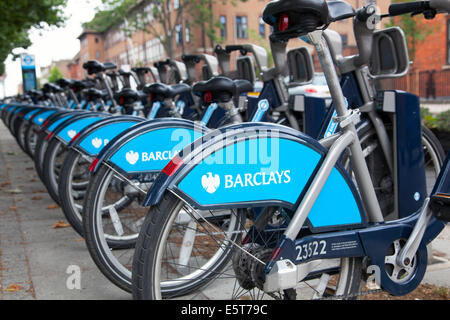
point(52, 44)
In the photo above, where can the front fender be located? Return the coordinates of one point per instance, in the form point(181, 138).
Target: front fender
point(259, 165)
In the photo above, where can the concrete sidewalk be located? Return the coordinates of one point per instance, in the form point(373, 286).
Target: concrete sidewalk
point(37, 261)
point(436, 107)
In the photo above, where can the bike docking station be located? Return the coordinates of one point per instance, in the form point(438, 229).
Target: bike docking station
point(184, 188)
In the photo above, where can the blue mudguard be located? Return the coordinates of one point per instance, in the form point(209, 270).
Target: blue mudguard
point(95, 137)
point(69, 128)
point(148, 146)
point(53, 120)
point(30, 113)
point(11, 111)
point(39, 118)
point(258, 165)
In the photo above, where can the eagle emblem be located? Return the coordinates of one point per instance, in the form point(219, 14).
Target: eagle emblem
point(97, 143)
point(210, 183)
point(132, 157)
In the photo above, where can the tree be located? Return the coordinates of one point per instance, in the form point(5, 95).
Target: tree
point(19, 16)
point(55, 75)
point(416, 29)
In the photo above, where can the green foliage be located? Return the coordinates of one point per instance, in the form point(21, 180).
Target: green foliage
point(55, 75)
point(416, 29)
point(441, 121)
point(112, 13)
point(427, 117)
point(102, 21)
point(18, 16)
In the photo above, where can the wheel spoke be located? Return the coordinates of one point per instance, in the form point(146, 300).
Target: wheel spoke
point(115, 219)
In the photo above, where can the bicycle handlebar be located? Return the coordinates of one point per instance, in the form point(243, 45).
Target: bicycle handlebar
point(441, 6)
point(415, 7)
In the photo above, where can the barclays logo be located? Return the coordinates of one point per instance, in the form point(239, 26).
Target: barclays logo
point(97, 142)
point(132, 157)
point(71, 133)
point(158, 156)
point(257, 179)
point(210, 183)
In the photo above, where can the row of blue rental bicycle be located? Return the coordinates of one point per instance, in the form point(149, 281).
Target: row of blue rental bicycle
point(216, 189)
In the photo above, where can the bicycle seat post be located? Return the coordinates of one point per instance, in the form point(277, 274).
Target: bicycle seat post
point(108, 89)
point(357, 157)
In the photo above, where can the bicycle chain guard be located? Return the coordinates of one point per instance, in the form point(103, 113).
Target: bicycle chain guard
point(394, 278)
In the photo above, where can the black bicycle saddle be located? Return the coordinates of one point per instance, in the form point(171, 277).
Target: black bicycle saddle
point(50, 87)
point(93, 66)
point(243, 86)
point(79, 85)
point(294, 18)
point(109, 66)
point(128, 96)
point(217, 89)
point(94, 94)
point(191, 58)
point(221, 89)
point(160, 91)
point(64, 83)
point(140, 69)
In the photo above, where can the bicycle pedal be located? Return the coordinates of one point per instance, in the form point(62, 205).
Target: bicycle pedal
point(440, 205)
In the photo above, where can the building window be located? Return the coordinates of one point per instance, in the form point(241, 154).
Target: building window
point(241, 27)
point(176, 4)
point(155, 50)
point(134, 55)
point(187, 32)
point(96, 40)
point(262, 28)
point(223, 27)
point(179, 34)
point(97, 55)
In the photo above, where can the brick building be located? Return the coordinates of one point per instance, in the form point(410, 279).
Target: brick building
point(236, 24)
point(429, 75)
point(74, 68)
point(60, 64)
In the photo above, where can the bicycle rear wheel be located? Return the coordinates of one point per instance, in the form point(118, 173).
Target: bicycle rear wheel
point(73, 183)
point(220, 265)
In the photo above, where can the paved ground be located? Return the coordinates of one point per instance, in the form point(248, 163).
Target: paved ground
point(436, 107)
point(33, 255)
point(38, 261)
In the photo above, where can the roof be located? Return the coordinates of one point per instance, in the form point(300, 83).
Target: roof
point(88, 31)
